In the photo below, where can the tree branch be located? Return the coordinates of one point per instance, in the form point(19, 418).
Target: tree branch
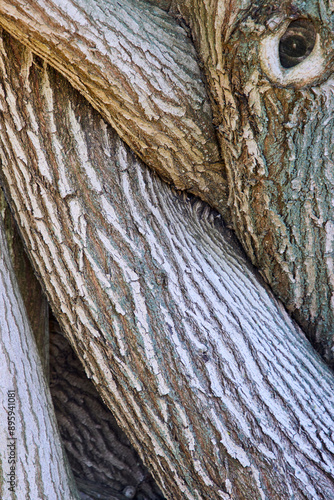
point(219, 392)
point(275, 130)
point(138, 68)
point(31, 457)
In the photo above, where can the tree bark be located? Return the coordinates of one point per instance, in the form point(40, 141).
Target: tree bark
point(103, 462)
point(34, 300)
point(140, 72)
point(272, 122)
point(32, 461)
point(220, 393)
point(274, 126)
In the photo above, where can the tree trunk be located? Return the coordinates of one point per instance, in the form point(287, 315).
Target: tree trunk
point(140, 72)
point(274, 124)
point(34, 300)
point(219, 392)
point(31, 457)
point(138, 69)
point(104, 464)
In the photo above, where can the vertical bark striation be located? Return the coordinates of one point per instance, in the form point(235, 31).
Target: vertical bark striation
point(219, 392)
point(36, 435)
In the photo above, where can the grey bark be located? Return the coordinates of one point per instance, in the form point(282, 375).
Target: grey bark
point(34, 300)
point(272, 122)
point(220, 393)
point(32, 460)
point(104, 464)
point(275, 129)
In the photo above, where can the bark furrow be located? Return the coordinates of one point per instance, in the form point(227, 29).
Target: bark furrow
point(31, 456)
point(216, 388)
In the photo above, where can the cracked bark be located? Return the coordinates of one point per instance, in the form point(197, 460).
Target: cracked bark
point(41, 470)
point(219, 392)
point(138, 68)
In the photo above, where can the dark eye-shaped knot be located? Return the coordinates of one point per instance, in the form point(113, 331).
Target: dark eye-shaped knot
point(297, 43)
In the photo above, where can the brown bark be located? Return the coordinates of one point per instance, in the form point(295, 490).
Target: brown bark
point(272, 123)
point(140, 73)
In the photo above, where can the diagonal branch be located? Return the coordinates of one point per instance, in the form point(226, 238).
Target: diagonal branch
point(217, 389)
point(138, 68)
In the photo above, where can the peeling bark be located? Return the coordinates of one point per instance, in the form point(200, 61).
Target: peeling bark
point(219, 392)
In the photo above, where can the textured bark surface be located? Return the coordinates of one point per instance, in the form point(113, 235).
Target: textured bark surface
point(274, 124)
point(221, 395)
point(275, 129)
point(33, 452)
point(33, 297)
point(103, 461)
point(138, 68)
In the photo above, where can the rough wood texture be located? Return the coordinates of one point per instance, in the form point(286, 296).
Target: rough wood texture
point(100, 455)
point(274, 125)
point(140, 72)
point(37, 455)
point(34, 300)
point(222, 396)
point(275, 129)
